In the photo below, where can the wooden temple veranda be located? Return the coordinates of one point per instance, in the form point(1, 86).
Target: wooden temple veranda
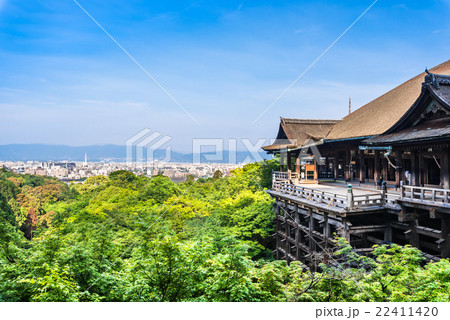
point(379, 175)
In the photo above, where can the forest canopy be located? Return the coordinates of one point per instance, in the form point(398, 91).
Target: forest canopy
point(134, 238)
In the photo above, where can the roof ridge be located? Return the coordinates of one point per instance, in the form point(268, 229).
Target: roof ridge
point(435, 79)
point(309, 121)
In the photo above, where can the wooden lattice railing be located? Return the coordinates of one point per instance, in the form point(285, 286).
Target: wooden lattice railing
point(328, 198)
point(425, 194)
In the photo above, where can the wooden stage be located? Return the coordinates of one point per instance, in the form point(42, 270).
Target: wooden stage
point(309, 216)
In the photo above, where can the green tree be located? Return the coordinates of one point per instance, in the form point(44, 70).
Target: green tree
point(267, 167)
point(217, 175)
point(160, 189)
point(55, 286)
point(229, 274)
point(8, 189)
point(166, 269)
point(122, 178)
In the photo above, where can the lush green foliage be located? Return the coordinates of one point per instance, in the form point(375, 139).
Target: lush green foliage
point(132, 238)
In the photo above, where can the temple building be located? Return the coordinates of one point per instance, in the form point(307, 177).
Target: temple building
point(403, 131)
point(402, 139)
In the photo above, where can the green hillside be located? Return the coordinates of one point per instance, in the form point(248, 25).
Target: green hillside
point(133, 238)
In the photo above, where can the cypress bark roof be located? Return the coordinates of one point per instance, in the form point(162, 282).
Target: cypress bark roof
point(431, 130)
point(381, 114)
point(427, 119)
point(294, 133)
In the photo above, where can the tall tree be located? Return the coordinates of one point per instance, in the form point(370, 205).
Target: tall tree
point(30, 224)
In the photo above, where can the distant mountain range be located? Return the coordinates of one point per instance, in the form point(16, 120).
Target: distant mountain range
point(114, 153)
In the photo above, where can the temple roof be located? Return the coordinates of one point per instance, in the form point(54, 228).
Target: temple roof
point(381, 114)
point(430, 130)
point(427, 119)
point(294, 133)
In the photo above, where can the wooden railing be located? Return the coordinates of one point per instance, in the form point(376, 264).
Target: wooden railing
point(328, 198)
point(281, 176)
point(391, 198)
point(368, 200)
point(278, 176)
point(425, 194)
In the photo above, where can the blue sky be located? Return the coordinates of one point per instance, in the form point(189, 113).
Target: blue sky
point(63, 81)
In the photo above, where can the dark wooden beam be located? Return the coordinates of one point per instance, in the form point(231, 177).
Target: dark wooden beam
point(374, 240)
point(429, 232)
point(366, 229)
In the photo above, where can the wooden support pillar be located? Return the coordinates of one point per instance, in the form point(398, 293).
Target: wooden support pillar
point(445, 172)
point(376, 165)
point(415, 169)
point(388, 229)
point(277, 236)
point(365, 240)
point(335, 165)
point(345, 230)
point(297, 233)
point(425, 171)
point(287, 233)
point(326, 229)
point(282, 160)
point(399, 167)
point(316, 169)
point(445, 236)
point(297, 166)
point(289, 162)
point(347, 165)
point(362, 166)
point(384, 168)
point(421, 171)
point(414, 240)
point(312, 244)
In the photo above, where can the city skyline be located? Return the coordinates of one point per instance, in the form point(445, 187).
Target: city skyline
point(66, 82)
point(71, 171)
